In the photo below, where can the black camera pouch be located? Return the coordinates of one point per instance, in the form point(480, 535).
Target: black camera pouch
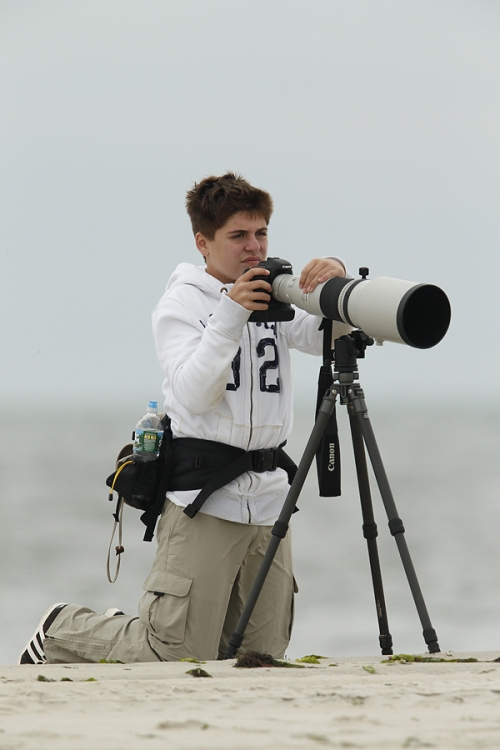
point(328, 453)
point(143, 484)
point(137, 481)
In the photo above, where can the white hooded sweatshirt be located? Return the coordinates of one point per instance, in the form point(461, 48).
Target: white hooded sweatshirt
point(229, 380)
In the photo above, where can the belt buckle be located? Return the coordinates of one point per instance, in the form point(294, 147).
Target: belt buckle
point(265, 460)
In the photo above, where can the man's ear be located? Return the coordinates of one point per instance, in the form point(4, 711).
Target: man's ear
point(201, 244)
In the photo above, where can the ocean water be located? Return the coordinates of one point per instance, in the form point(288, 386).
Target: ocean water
point(443, 465)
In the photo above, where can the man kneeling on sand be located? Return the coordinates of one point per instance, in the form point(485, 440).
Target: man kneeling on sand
point(226, 380)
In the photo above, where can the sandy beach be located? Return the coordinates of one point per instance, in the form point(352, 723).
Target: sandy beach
point(357, 702)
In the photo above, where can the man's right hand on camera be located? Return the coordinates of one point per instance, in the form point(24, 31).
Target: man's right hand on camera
point(250, 292)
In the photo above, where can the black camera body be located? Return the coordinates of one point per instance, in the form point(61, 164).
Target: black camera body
point(277, 311)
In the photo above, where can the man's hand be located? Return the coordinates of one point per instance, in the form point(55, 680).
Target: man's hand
point(319, 270)
point(245, 293)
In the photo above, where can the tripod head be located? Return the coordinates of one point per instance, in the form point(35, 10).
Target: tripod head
point(348, 349)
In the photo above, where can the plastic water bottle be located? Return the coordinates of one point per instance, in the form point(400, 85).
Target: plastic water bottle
point(148, 435)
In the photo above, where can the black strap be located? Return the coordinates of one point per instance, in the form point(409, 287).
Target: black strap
point(327, 327)
point(150, 516)
point(328, 453)
point(208, 465)
point(259, 461)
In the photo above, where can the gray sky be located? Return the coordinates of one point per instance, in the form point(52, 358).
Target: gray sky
point(375, 126)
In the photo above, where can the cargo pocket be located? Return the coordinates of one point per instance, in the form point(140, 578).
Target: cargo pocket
point(164, 606)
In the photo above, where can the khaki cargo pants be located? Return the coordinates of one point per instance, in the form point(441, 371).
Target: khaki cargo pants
point(202, 574)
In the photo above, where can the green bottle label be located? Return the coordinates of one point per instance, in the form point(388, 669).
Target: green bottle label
point(147, 441)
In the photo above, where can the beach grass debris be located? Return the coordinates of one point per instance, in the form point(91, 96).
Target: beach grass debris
point(412, 658)
point(354, 700)
point(111, 661)
point(188, 724)
point(318, 738)
point(42, 678)
point(198, 672)
point(253, 659)
point(192, 660)
point(369, 669)
point(311, 659)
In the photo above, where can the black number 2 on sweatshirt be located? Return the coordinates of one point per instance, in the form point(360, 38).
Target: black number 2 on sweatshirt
point(269, 381)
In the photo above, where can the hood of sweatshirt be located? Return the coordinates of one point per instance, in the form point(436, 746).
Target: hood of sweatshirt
point(188, 273)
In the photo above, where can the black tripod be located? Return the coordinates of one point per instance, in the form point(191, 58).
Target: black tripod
point(350, 393)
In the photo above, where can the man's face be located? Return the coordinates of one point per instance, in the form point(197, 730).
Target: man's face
point(240, 244)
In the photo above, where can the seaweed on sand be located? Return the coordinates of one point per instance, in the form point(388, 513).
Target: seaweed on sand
point(252, 659)
point(410, 658)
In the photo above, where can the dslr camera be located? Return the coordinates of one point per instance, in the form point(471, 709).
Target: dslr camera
point(386, 309)
point(277, 311)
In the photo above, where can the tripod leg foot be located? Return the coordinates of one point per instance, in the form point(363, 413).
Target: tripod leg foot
point(386, 644)
point(430, 637)
point(235, 642)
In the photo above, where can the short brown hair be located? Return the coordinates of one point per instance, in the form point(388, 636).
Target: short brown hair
point(211, 202)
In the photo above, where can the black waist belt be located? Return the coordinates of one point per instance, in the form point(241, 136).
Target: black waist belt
point(208, 465)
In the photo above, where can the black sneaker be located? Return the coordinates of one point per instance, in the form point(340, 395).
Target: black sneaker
point(34, 653)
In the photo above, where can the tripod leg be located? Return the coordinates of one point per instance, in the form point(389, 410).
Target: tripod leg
point(396, 527)
point(370, 532)
point(280, 528)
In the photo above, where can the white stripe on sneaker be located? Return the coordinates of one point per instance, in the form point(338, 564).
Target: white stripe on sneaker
point(33, 652)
